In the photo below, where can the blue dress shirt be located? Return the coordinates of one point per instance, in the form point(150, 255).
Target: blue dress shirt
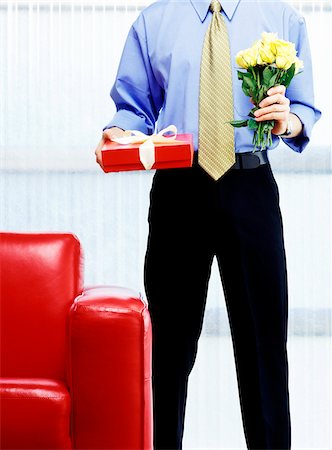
point(158, 78)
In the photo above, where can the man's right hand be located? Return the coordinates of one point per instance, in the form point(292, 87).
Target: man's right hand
point(108, 135)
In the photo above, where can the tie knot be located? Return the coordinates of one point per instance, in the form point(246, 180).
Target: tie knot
point(215, 6)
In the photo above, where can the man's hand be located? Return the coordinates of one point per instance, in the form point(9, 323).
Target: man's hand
point(108, 135)
point(275, 107)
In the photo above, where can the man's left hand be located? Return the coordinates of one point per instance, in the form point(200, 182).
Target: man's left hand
point(275, 107)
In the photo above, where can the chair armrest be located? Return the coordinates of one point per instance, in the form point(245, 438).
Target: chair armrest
point(109, 370)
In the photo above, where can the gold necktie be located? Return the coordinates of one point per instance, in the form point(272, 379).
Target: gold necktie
point(216, 152)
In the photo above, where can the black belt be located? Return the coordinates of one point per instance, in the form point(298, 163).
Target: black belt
point(248, 160)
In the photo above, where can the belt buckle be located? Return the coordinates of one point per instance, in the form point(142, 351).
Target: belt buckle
point(256, 161)
point(251, 161)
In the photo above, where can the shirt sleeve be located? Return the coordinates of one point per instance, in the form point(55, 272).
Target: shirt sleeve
point(301, 92)
point(136, 93)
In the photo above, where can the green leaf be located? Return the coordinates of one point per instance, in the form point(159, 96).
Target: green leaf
point(240, 75)
point(267, 75)
point(291, 70)
point(248, 74)
point(239, 123)
point(252, 124)
point(261, 94)
point(249, 87)
point(246, 90)
point(249, 84)
point(289, 75)
point(273, 80)
point(251, 114)
point(250, 81)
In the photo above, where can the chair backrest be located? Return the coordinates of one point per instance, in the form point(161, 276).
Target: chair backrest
point(41, 274)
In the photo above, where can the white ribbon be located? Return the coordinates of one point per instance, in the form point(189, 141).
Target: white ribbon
point(147, 147)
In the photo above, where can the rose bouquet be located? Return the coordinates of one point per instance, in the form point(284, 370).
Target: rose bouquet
point(269, 62)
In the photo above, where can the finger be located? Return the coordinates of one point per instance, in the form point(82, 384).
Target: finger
point(115, 132)
point(98, 154)
point(281, 89)
point(100, 145)
point(272, 108)
point(99, 159)
point(108, 134)
point(279, 116)
point(276, 98)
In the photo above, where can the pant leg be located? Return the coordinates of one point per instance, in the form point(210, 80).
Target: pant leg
point(177, 269)
point(252, 263)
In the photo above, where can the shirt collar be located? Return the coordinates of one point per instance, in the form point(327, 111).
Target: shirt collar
point(202, 7)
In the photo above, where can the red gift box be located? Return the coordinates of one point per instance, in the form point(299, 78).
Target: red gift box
point(171, 154)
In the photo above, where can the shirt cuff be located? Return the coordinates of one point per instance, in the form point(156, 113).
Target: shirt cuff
point(307, 117)
point(128, 120)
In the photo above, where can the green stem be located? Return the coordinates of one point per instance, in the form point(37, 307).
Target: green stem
point(279, 76)
point(258, 79)
point(253, 71)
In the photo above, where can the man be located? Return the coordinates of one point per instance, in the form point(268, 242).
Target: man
point(196, 214)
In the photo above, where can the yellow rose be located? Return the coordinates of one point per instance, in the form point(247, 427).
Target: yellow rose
point(285, 53)
point(240, 60)
point(263, 50)
point(266, 55)
point(247, 58)
point(283, 62)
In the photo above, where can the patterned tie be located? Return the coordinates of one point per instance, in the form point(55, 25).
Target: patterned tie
point(216, 137)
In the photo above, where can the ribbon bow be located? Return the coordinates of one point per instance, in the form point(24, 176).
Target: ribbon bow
point(147, 147)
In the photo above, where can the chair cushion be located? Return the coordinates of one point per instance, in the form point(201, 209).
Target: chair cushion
point(35, 414)
point(41, 274)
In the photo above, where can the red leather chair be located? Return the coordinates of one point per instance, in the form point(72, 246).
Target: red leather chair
point(75, 362)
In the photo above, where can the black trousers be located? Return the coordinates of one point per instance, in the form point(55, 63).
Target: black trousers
point(191, 219)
